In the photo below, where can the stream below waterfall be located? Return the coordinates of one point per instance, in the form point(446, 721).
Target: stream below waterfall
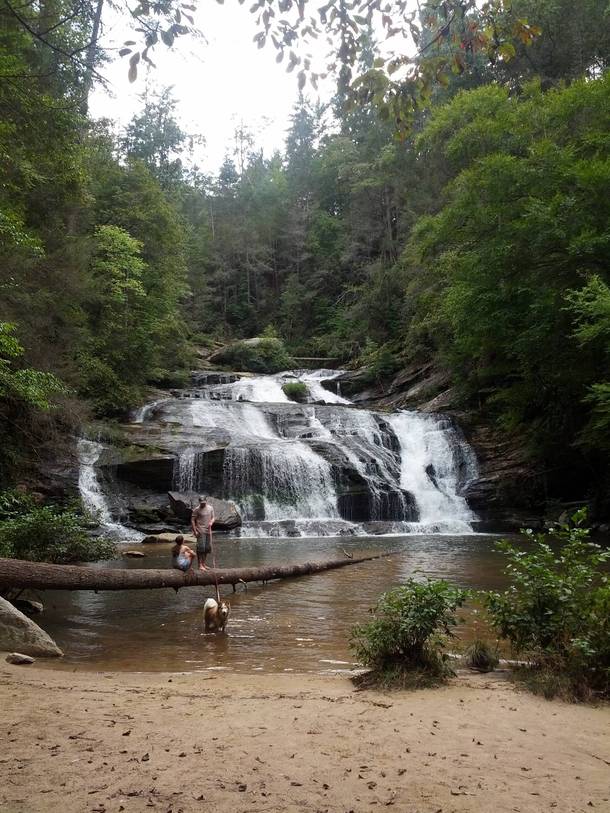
point(298, 625)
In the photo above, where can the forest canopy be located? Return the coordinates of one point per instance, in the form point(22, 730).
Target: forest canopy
point(478, 240)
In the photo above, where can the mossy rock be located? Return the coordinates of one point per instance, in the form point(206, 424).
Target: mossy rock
point(296, 391)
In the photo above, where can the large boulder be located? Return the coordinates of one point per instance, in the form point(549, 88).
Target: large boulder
point(19, 633)
point(228, 517)
point(349, 382)
point(18, 659)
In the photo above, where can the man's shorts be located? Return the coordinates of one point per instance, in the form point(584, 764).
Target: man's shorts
point(204, 544)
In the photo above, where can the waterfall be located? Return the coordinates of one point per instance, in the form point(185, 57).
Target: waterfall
point(317, 392)
point(241, 419)
point(187, 471)
point(91, 492)
point(436, 466)
point(277, 482)
point(267, 389)
point(292, 468)
point(372, 449)
point(145, 412)
point(263, 389)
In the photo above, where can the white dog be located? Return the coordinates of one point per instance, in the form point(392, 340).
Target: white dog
point(215, 615)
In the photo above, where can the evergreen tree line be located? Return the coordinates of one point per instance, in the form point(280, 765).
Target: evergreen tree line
point(480, 242)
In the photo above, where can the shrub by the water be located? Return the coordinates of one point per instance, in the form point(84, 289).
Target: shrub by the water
point(296, 391)
point(46, 533)
point(556, 611)
point(404, 644)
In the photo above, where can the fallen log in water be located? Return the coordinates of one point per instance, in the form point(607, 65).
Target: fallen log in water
point(42, 576)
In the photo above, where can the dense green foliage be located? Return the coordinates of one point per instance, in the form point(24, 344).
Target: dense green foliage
point(479, 243)
point(556, 610)
point(263, 355)
point(91, 260)
point(24, 393)
point(406, 639)
point(524, 223)
point(46, 533)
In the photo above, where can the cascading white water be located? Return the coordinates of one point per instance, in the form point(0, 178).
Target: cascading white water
point(268, 388)
point(431, 456)
point(187, 471)
point(241, 419)
point(280, 481)
point(263, 389)
point(91, 492)
point(142, 414)
point(369, 449)
point(312, 379)
point(310, 468)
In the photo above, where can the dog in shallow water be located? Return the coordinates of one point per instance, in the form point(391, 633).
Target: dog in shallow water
point(215, 615)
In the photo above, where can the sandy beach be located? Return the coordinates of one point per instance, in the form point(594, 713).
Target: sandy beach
point(101, 742)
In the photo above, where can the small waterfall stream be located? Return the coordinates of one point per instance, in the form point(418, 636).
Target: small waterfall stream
point(436, 465)
point(276, 482)
point(92, 495)
point(324, 467)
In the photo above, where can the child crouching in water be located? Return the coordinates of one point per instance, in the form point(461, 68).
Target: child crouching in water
point(182, 555)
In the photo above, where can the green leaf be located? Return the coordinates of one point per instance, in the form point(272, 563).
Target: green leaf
point(507, 51)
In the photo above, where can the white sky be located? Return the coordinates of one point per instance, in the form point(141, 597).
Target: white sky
point(218, 84)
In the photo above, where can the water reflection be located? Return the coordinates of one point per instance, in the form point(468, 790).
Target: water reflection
point(301, 624)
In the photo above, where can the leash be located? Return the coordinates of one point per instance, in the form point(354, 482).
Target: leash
point(214, 563)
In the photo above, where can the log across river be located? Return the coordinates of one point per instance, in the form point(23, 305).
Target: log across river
point(42, 576)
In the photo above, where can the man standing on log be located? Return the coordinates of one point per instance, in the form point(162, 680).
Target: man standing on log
point(202, 520)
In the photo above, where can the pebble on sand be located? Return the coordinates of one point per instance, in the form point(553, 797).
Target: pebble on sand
point(19, 659)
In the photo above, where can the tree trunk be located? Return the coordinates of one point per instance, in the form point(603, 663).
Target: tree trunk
point(90, 58)
point(42, 576)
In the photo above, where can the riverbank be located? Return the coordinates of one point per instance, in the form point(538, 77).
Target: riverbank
point(104, 742)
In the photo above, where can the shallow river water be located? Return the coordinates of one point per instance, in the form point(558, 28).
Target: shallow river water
point(299, 625)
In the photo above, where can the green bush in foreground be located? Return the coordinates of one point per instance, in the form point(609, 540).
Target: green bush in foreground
point(296, 391)
point(556, 611)
point(404, 644)
point(47, 534)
